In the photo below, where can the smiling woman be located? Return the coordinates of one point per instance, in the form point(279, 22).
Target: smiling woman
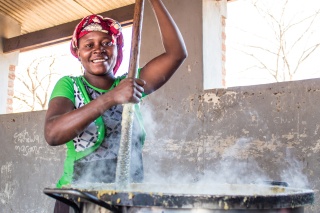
point(85, 113)
point(49, 64)
point(102, 63)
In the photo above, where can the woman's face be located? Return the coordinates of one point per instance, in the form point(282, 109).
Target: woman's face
point(97, 53)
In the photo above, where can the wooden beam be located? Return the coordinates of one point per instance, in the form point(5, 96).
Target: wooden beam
point(61, 32)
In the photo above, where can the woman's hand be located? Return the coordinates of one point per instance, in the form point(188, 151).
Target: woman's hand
point(128, 91)
point(64, 123)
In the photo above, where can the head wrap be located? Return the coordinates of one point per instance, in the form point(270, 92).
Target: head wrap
point(100, 24)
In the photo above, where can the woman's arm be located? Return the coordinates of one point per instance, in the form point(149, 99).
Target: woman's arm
point(159, 70)
point(63, 122)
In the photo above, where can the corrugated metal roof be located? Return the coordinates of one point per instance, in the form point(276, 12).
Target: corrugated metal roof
point(34, 15)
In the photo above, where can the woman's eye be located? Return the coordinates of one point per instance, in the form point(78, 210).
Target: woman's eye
point(89, 45)
point(109, 44)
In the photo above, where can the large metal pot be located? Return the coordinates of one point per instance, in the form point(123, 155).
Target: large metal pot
point(231, 198)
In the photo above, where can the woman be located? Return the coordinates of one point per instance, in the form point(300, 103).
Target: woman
point(85, 112)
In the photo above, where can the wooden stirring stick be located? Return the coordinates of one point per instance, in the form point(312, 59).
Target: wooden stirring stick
point(136, 38)
point(124, 154)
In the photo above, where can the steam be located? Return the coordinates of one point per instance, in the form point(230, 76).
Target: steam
point(294, 173)
point(243, 160)
point(238, 162)
point(231, 169)
point(90, 207)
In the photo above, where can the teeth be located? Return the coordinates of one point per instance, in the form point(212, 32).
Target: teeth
point(98, 60)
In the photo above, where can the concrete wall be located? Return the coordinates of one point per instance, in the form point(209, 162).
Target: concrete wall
point(27, 164)
point(237, 135)
point(243, 134)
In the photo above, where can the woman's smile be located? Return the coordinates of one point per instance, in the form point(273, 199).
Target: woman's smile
point(99, 60)
point(98, 53)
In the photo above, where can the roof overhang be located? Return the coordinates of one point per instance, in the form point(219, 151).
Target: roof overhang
point(61, 32)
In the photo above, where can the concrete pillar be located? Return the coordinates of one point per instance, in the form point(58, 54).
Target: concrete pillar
point(214, 14)
point(202, 25)
point(223, 53)
point(9, 28)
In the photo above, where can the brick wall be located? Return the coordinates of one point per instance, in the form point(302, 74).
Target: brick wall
point(11, 77)
point(223, 36)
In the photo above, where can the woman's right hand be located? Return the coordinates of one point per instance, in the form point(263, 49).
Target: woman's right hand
point(128, 91)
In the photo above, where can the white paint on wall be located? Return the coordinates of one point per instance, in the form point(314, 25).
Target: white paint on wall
point(316, 147)
point(211, 98)
point(28, 144)
point(7, 184)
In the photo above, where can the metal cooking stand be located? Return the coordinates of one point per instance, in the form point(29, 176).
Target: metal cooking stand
point(74, 195)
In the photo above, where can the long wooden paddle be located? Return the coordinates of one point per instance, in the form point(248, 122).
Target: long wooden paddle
point(124, 154)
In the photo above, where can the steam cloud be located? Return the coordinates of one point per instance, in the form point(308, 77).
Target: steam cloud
point(227, 169)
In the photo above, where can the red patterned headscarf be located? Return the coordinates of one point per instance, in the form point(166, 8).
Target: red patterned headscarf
point(101, 24)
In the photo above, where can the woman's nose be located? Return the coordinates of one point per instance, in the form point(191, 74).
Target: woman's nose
point(99, 49)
